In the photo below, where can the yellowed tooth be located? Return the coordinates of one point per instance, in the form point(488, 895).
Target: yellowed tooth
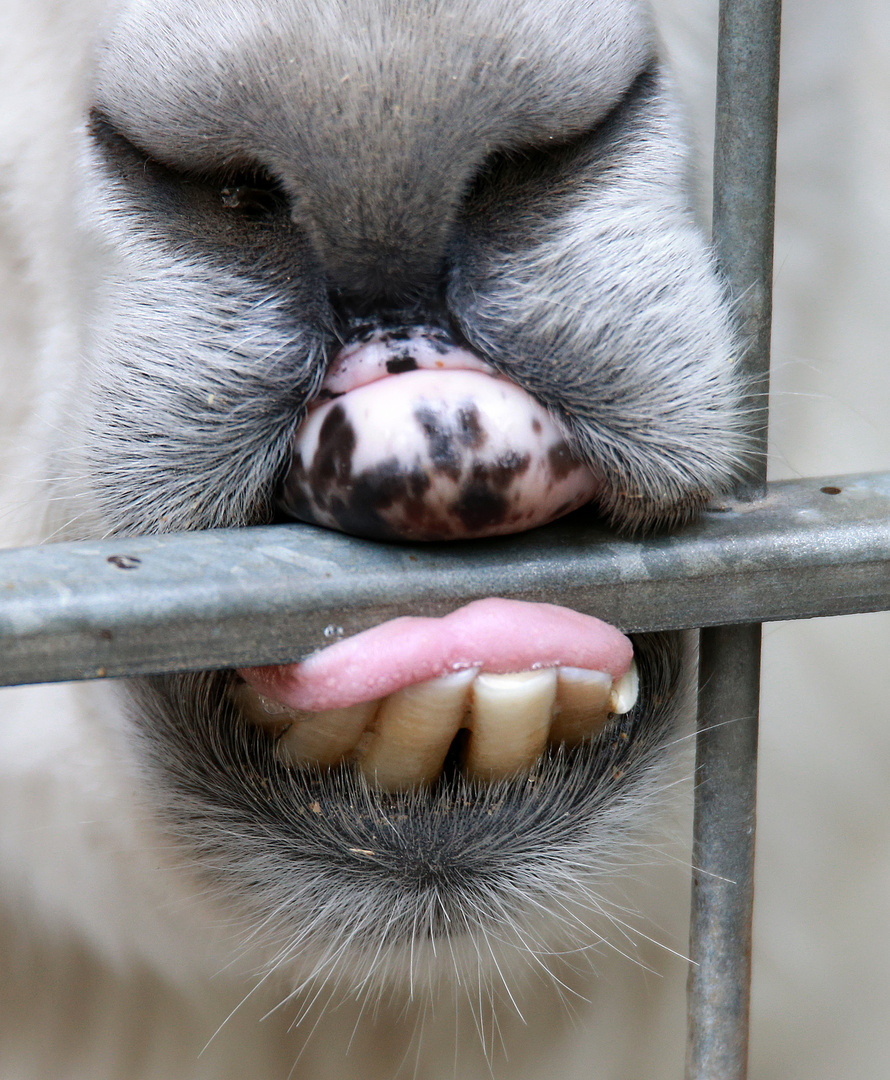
point(321, 737)
point(625, 691)
point(414, 731)
point(326, 737)
point(510, 719)
point(261, 710)
point(582, 704)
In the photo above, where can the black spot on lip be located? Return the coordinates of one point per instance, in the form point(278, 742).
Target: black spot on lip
point(442, 445)
point(389, 483)
point(400, 364)
point(561, 460)
point(332, 462)
point(469, 428)
point(480, 508)
point(507, 468)
point(388, 503)
point(436, 336)
point(441, 341)
point(482, 503)
point(307, 490)
point(372, 503)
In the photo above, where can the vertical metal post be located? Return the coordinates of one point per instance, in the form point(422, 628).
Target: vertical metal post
point(729, 671)
point(723, 854)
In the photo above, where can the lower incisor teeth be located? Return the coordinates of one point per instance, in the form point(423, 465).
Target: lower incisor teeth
point(625, 691)
point(414, 731)
point(326, 737)
point(322, 738)
point(510, 721)
point(582, 705)
point(510, 717)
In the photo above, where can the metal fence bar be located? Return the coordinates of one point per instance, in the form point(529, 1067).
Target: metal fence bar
point(729, 674)
point(247, 596)
point(723, 852)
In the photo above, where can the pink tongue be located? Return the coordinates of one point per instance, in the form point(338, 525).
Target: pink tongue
point(494, 635)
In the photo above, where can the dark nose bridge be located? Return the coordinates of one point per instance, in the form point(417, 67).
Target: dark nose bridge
point(379, 255)
point(380, 214)
point(423, 305)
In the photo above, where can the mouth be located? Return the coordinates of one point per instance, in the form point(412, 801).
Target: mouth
point(503, 677)
point(437, 761)
point(328, 848)
point(415, 437)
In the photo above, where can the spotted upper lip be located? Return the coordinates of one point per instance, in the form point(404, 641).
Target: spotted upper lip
point(417, 438)
point(373, 352)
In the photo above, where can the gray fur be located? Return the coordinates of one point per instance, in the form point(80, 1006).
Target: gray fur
point(258, 174)
point(413, 163)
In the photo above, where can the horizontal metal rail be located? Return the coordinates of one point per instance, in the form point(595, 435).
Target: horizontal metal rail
point(274, 594)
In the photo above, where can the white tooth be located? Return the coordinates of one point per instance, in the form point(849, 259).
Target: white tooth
point(326, 737)
point(414, 731)
point(625, 691)
point(510, 718)
point(582, 704)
